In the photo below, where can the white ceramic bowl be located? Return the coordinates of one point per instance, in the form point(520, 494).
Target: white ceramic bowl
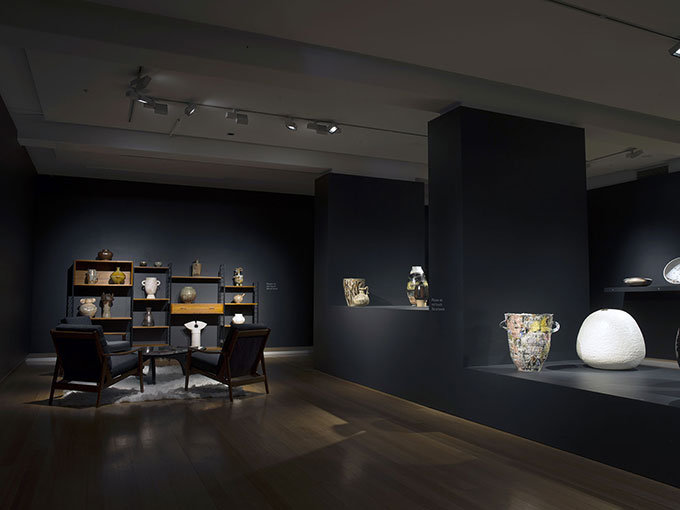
point(671, 272)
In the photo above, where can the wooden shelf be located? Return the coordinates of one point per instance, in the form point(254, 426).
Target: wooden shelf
point(240, 304)
point(119, 333)
point(151, 300)
point(150, 327)
point(197, 279)
point(242, 287)
point(111, 318)
point(121, 285)
point(111, 262)
point(152, 268)
point(197, 308)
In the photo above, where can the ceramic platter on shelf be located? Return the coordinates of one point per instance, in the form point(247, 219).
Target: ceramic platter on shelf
point(637, 281)
point(671, 272)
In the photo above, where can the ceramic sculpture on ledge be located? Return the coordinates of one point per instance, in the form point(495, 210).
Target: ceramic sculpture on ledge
point(529, 338)
point(356, 291)
point(150, 284)
point(611, 340)
point(195, 327)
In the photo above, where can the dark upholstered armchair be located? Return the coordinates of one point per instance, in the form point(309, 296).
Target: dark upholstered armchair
point(83, 357)
point(237, 363)
point(113, 345)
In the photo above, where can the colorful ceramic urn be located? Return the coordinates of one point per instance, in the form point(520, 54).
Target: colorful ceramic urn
point(118, 277)
point(187, 294)
point(529, 338)
point(87, 307)
point(415, 277)
point(238, 277)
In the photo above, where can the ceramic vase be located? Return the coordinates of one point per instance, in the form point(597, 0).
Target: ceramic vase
point(87, 307)
point(187, 294)
point(158, 263)
point(421, 294)
point(151, 284)
point(148, 318)
point(196, 268)
point(106, 302)
point(143, 263)
point(611, 340)
point(415, 277)
point(238, 319)
point(351, 287)
point(238, 276)
point(91, 277)
point(105, 254)
point(361, 299)
point(529, 338)
point(118, 277)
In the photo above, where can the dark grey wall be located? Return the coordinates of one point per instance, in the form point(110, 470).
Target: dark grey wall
point(269, 235)
point(635, 231)
point(508, 232)
point(17, 181)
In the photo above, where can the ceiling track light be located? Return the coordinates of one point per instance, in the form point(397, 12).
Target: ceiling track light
point(239, 118)
point(190, 110)
point(290, 124)
point(675, 50)
point(140, 83)
point(334, 129)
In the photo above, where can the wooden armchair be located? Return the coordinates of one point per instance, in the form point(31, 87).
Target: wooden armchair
point(83, 357)
point(237, 363)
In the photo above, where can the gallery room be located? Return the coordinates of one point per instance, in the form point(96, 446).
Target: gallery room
point(354, 255)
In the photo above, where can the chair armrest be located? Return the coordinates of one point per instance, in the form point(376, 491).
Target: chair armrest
point(131, 351)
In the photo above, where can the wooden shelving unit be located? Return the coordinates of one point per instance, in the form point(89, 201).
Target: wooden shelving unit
point(250, 309)
point(158, 334)
point(119, 324)
point(197, 279)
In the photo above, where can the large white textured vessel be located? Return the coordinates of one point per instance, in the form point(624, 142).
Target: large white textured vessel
point(610, 339)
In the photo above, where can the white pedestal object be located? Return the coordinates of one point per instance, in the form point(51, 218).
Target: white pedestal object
point(610, 339)
point(195, 327)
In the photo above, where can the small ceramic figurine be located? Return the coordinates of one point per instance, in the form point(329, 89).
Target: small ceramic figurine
point(238, 276)
point(196, 268)
point(195, 327)
point(105, 254)
point(87, 307)
point(158, 263)
point(187, 294)
point(238, 319)
point(143, 263)
point(91, 277)
point(106, 302)
point(118, 277)
point(238, 298)
point(151, 284)
point(361, 299)
point(148, 318)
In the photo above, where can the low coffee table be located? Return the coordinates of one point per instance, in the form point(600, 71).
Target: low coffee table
point(153, 353)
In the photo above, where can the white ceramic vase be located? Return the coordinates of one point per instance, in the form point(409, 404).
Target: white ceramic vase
point(610, 339)
point(238, 319)
point(151, 284)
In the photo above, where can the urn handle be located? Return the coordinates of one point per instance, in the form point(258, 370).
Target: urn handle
point(143, 283)
point(556, 327)
point(503, 324)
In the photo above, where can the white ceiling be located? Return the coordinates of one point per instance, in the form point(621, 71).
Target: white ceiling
point(381, 64)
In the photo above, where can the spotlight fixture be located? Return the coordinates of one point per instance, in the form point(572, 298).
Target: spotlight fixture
point(634, 153)
point(320, 129)
point(675, 50)
point(290, 124)
point(190, 110)
point(333, 128)
point(140, 83)
point(239, 118)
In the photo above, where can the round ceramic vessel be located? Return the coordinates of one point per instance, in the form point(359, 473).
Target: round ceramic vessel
point(87, 307)
point(637, 281)
point(187, 294)
point(238, 319)
point(611, 340)
point(671, 272)
point(529, 337)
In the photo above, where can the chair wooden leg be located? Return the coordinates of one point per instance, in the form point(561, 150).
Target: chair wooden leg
point(264, 372)
point(100, 386)
point(140, 371)
point(54, 380)
point(188, 371)
point(99, 395)
point(231, 395)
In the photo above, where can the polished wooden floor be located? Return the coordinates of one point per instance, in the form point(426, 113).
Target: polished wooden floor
point(315, 442)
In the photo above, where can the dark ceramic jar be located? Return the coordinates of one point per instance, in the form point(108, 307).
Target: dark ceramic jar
point(105, 254)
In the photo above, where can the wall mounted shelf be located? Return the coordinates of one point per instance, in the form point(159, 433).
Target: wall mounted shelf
point(662, 288)
point(240, 304)
point(147, 300)
point(239, 287)
point(152, 269)
point(141, 335)
point(111, 318)
point(197, 308)
point(197, 279)
point(150, 327)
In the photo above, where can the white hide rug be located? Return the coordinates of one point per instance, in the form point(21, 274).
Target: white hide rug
point(169, 386)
